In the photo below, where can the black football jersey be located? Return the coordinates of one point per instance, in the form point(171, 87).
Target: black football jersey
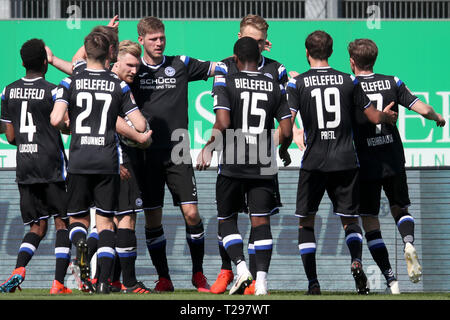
point(254, 101)
point(95, 98)
point(161, 93)
point(269, 67)
point(326, 99)
point(379, 147)
point(40, 157)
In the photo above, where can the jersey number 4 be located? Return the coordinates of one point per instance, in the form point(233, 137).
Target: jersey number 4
point(88, 99)
point(331, 101)
point(26, 122)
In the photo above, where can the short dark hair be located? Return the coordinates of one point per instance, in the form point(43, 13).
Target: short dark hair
point(96, 45)
point(33, 54)
point(246, 50)
point(319, 45)
point(364, 52)
point(113, 36)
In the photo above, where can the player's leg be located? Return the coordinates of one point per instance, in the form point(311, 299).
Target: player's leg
point(180, 180)
point(229, 196)
point(106, 192)
point(262, 203)
point(343, 191)
point(310, 190)
point(32, 215)
point(396, 189)
point(369, 207)
point(152, 184)
point(79, 202)
point(116, 271)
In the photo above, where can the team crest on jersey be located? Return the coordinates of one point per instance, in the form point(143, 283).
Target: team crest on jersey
point(138, 202)
point(268, 75)
point(169, 71)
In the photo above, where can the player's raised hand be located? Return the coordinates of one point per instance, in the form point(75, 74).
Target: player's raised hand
point(293, 74)
point(267, 46)
point(440, 122)
point(114, 22)
point(391, 115)
point(49, 55)
point(204, 159)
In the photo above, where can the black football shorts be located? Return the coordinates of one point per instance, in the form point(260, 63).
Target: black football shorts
point(157, 170)
point(258, 196)
point(86, 191)
point(395, 188)
point(342, 188)
point(42, 200)
point(130, 197)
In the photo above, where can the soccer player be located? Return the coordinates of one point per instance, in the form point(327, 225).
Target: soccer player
point(382, 160)
point(160, 88)
point(41, 164)
point(326, 99)
point(255, 27)
point(93, 99)
point(248, 164)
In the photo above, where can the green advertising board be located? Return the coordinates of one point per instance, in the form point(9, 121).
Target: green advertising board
point(410, 50)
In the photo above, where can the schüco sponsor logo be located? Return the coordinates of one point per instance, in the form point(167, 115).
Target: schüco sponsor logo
point(159, 80)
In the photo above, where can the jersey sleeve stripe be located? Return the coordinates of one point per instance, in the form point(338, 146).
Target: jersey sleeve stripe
point(367, 105)
point(66, 82)
point(221, 68)
point(286, 116)
point(4, 120)
point(185, 60)
point(281, 72)
point(293, 110)
point(221, 107)
point(292, 83)
point(135, 108)
point(412, 103)
point(62, 100)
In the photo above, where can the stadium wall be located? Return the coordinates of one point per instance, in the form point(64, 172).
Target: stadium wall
point(409, 49)
point(430, 197)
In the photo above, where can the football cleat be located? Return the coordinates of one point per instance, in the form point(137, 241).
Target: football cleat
point(116, 286)
point(243, 280)
point(199, 281)
point(224, 278)
point(139, 288)
point(393, 287)
point(250, 290)
point(82, 260)
point(164, 285)
point(360, 278)
point(13, 281)
point(103, 288)
point(314, 289)
point(59, 288)
point(412, 263)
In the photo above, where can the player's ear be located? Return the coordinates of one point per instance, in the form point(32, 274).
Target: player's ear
point(239, 35)
point(141, 40)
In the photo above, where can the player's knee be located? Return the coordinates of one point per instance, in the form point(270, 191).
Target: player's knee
point(191, 215)
point(40, 228)
point(307, 222)
point(370, 223)
point(398, 212)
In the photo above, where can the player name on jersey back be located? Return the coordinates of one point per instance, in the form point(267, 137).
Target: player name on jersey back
point(253, 84)
point(323, 80)
point(94, 84)
point(27, 93)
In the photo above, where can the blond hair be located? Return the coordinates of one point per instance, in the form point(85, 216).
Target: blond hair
point(131, 47)
point(255, 21)
point(149, 25)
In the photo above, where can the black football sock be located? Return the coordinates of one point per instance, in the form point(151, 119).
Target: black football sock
point(379, 253)
point(29, 245)
point(195, 236)
point(307, 249)
point(105, 254)
point(62, 254)
point(156, 245)
point(126, 250)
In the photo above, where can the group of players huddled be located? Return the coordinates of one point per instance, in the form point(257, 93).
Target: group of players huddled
point(121, 107)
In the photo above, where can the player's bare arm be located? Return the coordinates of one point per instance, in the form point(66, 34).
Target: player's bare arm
point(285, 139)
point(386, 116)
point(428, 112)
point(58, 114)
point(142, 138)
point(60, 64)
point(9, 132)
point(222, 122)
